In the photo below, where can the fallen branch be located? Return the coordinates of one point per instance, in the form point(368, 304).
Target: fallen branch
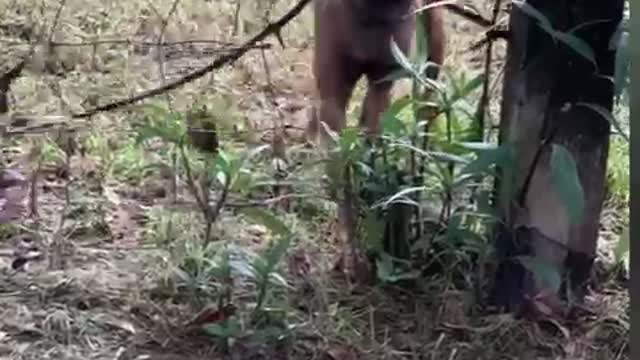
point(271, 29)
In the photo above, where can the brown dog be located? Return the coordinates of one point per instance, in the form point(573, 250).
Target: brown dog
point(353, 38)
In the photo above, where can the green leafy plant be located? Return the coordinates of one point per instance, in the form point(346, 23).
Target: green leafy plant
point(204, 272)
point(262, 268)
point(204, 166)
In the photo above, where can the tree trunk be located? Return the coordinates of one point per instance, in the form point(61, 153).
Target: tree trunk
point(544, 82)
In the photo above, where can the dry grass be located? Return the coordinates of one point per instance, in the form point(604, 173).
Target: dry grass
point(114, 298)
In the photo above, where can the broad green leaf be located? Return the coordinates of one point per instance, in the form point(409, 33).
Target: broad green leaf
point(332, 134)
point(544, 22)
point(542, 271)
point(279, 280)
point(578, 45)
point(564, 174)
point(223, 160)
point(400, 57)
point(467, 89)
point(607, 115)
point(574, 42)
point(479, 145)
point(267, 219)
point(620, 43)
point(391, 123)
point(349, 139)
point(393, 127)
point(222, 178)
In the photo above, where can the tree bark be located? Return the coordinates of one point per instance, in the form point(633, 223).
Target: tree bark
point(545, 80)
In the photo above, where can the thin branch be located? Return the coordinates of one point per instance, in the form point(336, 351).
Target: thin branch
point(484, 99)
point(229, 45)
point(271, 29)
point(204, 207)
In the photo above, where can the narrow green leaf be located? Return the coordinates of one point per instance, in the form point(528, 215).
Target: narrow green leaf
point(332, 134)
point(544, 22)
point(222, 178)
point(279, 280)
point(479, 145)
point(620, 44)
point(400, 57)
point(607, 115)
point(267, 219)
point(403, 193)
point(467, 89)
point(564, 174)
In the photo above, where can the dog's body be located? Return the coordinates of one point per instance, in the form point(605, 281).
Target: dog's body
point(352, 39)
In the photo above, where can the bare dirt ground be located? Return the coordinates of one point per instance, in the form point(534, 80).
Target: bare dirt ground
point(112, 297)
